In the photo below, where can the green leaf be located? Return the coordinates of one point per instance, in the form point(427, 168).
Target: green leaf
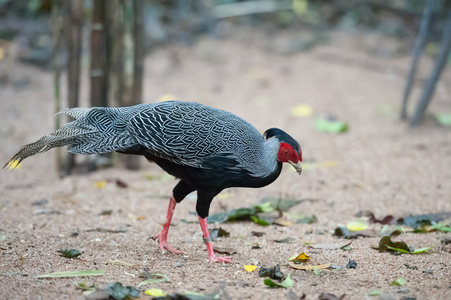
point(73, 274)
point(280, 203)
point(444, 119)
point(398, 249)
point(233, 215)
point(441, 227)
point(399, 281)
point(316, 271)
point(120, 292)
point(331, 125)
point(269, 282)
point(287, 283)
point(265, 207)
point(70, 253)
point(418, 251)
point(421, 250)
point(259, 221)
point(155, 278)
point(374, 293)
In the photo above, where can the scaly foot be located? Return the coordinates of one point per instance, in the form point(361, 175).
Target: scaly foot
point(213, 258)
point(163, 241)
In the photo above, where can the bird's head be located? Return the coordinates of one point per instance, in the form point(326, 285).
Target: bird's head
point(289, 149)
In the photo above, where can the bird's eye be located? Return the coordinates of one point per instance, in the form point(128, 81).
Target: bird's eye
point(285, 152)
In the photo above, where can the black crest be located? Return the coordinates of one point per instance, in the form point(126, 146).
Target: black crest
point(283, 137)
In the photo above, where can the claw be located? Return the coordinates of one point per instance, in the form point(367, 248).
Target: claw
point(162, 236)
point(226, 259)
point(163, 241)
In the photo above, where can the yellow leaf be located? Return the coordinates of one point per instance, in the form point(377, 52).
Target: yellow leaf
point(302, 110)
point(304, 267)
point(15, 164)
point(155, 293)
point(2, 53)
point(300, 258)
point(167, 97)
point(250, 268)
point(357, 226)
point(100, 184)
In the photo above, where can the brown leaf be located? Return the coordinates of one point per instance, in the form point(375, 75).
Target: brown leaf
point(224, 250)
point(386, 241)
point(387, 220)
point(121, 184)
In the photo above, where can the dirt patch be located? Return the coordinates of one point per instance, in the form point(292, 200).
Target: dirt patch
point(379, 165)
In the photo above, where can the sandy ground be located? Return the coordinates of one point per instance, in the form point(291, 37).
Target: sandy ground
point(379, 165)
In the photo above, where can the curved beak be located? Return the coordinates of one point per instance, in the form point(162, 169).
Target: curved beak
point(297, 166)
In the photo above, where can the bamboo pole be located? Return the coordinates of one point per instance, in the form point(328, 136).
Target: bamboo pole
point(74, 43)
point(99, 59)
point(135, 53)
point(57, 25)
point(439, 64)
point(418, 49)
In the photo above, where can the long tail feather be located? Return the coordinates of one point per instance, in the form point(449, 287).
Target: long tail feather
point(95, 130)
point(62, 137)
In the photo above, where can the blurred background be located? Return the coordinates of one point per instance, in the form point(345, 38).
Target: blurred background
point(274, 62)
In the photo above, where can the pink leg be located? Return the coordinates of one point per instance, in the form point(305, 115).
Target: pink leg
point(211, 254)
point(163, 235)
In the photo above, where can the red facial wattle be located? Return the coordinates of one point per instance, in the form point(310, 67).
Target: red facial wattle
point(289, 155)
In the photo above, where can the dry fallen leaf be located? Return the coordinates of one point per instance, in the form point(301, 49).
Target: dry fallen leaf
point(250, 268)
point(224, 250)
point(304, 267)
point(100, 184)
point(299, 258)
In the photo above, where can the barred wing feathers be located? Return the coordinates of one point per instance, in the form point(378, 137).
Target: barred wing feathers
point(196, 135)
